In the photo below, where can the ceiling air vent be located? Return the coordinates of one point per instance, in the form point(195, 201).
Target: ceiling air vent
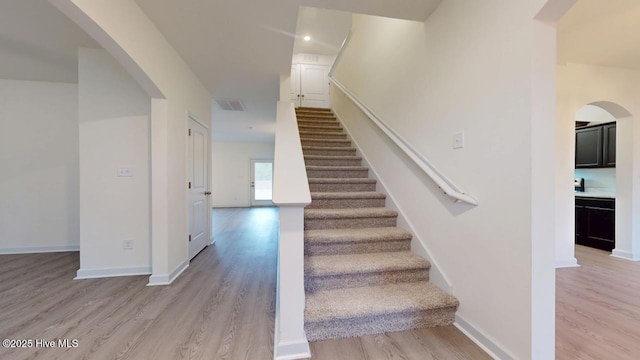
point(231, 105)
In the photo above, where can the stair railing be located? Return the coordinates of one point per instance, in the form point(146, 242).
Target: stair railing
point(291, 194)
point(445, 184)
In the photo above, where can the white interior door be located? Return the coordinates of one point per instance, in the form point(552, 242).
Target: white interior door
point(198, 195)
point(261, 182)
point(314, 86)
point(295, 85)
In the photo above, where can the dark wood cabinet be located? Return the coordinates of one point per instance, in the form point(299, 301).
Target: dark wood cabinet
point(596, 146)
point(609, 145)
point(596, 222)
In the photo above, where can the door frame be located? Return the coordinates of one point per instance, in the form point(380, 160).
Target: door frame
point(208, 161)
point(252, 201)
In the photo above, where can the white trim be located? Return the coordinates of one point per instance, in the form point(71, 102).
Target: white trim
point(112, 272)
point(39, 249)
point(437, 277)
point(288, 350)
point(568, 263)
point(484, 341)
point(622, 254)
point(166, 279)
point(445, 184)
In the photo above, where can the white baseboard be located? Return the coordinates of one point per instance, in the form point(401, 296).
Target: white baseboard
point(622, 254)
point(567, 263)
point(112, 272)
point(288, 350)
point(39, 249)
point(166, 279)
point(484, 341)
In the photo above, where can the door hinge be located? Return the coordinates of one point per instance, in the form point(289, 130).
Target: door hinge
point(189, 184)
point(189, 132)
point(189, 237)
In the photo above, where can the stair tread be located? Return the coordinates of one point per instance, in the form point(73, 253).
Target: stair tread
point(350, 303)
point(336, 167)
point(329, 236)
point(332, 157)
point(325, 140)
point(323, 265)
point(341, 181)
point(348, 195)
point(353, 213)
point(350, 149)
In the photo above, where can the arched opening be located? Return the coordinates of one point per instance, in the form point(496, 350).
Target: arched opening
point(603, 129)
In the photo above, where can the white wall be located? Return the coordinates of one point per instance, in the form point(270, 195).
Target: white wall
point(468, 68)
point(114, 132)
point(39, 162)
point(124, 30)
point(231, 171)
point(619, 89)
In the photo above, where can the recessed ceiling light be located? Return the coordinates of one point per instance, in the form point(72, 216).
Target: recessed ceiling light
point(307, 38)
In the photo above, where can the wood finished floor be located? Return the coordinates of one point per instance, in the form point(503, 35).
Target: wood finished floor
point(221, 307)
point(598, 308)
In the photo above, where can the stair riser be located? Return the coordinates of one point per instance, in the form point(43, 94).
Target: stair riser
point(325, 122)
point(370, 325)
point(319, 135)
point(334, 174)
point(333, 162)
point(303, 117)
point(311, 128)
point(316, 283)
point(346, 152)
point(345, 203)
point(314, 249)
point(320, 142)
point(306, 108)
point(355, 223)
point(341, 187)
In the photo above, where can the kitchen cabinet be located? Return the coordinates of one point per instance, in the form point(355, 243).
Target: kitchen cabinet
point(609, 145)
point(596, 146)
point(596, 222)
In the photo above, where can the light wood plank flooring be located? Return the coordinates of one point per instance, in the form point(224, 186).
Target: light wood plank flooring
point(598, 308)
point(221, 307)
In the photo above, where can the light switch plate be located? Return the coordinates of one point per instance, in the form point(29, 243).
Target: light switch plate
point(458, 140)
point(124, 172)
point(127, 244)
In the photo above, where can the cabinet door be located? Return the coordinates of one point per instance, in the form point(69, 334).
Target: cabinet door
point(600, 228)
point(589, 147)
point(609, 136)
point(580, 212)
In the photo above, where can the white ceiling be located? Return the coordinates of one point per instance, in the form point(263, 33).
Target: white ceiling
point(239, 49)
point(327, 29)
point(39, 43)
point(604, 33)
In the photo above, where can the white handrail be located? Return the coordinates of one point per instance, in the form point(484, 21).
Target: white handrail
point(446, 185)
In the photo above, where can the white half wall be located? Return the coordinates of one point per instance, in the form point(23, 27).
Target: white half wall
point(231, 171)
point(468, 69)
point(114, 133)
point(39, 162)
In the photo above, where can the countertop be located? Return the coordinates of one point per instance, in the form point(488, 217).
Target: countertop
point(596, 193)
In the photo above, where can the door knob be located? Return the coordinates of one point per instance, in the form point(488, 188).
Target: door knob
point(207, 193)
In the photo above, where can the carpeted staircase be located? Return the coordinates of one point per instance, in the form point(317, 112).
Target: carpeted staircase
point(360, 275)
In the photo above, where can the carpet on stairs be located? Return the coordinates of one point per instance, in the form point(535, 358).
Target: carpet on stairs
point(360, 276)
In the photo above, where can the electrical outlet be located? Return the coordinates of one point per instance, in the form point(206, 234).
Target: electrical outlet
point(124, 172)
point(127, 244)
point(458, 140)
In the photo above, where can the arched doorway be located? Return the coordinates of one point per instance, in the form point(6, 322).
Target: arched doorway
point(611, 179)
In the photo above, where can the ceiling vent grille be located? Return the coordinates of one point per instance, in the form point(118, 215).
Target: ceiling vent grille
point(231, 105)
